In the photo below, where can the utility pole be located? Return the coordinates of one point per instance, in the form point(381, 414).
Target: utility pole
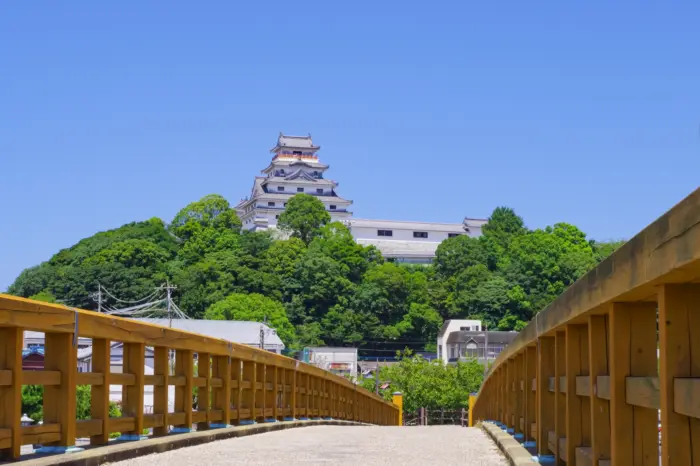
point(376, 379)
point(169, 288)
point(99, 297)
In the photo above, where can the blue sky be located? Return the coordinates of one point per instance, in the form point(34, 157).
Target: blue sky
point(584, 112)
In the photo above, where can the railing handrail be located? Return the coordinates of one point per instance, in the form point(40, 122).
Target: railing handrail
point(663, 247)
point(57, 318)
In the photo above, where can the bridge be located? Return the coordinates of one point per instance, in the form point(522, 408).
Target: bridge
point(614, 362)
point(608, 374)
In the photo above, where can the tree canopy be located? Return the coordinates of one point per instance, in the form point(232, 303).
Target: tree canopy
point(318, 286)
point(303, 217)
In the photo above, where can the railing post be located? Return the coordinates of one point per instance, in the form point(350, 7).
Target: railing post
point(237, 396)
point(161, 368)
point(259, 383)
point(184, 367)
point(132, 395)
point(293, 403)
point(99, 394)
point(60, 400)
point(560, 396)
point(11, 395)
point(203, 370)
point(578, 421)
point(679, 345)
point(530, 391)
point(519, 394)
point(248, 393)
point(635, 438)
point(546, 400)
point(600, 408)
point(397, 398)
point(221, 395)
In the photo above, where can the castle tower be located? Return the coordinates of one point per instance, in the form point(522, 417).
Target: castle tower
point(295, 168)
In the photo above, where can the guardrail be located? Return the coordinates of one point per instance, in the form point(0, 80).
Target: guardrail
point(589, 378)
point(236, 383)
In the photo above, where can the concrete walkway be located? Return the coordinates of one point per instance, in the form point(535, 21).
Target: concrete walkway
point(341, 445)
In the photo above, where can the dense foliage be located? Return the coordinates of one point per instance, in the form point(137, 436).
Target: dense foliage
point(429, 384)
point(318, 286)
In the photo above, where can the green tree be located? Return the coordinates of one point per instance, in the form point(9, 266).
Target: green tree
point(304, 217)
point(254, 308)
point(211, 211)
point(432, 384)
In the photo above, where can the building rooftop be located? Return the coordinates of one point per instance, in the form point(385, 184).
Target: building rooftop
point(407, 225)
point(238, 331)
point(294, 142)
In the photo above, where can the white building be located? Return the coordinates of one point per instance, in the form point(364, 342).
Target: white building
point(296, 168)
point(450, 326)
point(340, 361)
point(466, 339)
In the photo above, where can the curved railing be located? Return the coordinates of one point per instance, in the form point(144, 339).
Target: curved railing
point(237, 384)
point(590, 380)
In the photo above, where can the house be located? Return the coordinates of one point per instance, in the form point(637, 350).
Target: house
point(450, 326)
point(465, 339)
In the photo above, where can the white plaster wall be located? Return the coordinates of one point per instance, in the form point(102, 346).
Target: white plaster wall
point(399, 234)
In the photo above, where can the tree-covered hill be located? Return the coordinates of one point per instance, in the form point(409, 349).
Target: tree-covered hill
point(318, 286)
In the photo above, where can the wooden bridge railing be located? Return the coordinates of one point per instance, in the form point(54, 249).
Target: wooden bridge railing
point(236, 383)
point(587, 378)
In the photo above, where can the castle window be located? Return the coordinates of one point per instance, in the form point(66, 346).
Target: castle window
point(319, 190)
point(300, 190)
point(385, 233)
point(453, 235)
point(333, 207)
point(280, 188)
point(420, 234)
point(270, 204)
point(296, 152)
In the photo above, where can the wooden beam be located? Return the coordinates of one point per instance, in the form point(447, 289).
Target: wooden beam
point(642, 391)
point(600, 407)
point(583, 387)
point(90, 378)
point(634, 431)
point(686, 397)
point(679, 350)
point(602, 387)
point(45, 378)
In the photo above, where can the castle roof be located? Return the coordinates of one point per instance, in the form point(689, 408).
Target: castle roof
point(294, 142)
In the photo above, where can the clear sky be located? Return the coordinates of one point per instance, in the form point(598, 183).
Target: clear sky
point(110, 112)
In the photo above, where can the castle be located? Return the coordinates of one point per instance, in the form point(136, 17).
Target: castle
point(295, 168)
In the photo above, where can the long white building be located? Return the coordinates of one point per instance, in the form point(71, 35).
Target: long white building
point(296, 168)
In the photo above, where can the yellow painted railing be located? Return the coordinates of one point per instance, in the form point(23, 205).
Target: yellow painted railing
point(587, 378)
point(236, 383)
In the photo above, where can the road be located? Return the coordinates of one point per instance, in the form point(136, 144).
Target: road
point(341, 445)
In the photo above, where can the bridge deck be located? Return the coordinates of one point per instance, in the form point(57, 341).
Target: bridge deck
point(440, 445)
